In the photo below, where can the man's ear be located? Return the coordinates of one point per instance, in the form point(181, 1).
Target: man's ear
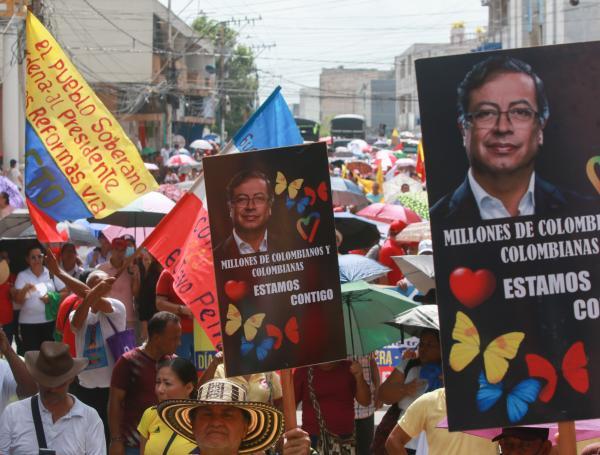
point(461, 128)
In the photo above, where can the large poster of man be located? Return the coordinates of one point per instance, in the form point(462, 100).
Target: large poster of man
point(275, 257)
point(513, 175)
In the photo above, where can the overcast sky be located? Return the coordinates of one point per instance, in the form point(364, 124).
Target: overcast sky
point(312, 34)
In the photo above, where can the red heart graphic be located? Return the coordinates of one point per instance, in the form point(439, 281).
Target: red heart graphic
point(472, 288)
point(236, 290)
point(310, 235)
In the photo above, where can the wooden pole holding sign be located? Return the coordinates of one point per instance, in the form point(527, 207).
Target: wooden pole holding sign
point(567, 443)
point(289, 400)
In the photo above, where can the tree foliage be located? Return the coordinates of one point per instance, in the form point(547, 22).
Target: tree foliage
point(239, 80)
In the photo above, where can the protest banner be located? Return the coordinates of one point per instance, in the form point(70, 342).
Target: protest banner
point(512, 177)
point(79, 161)
point(204, 350)
point(188, 255)
point(280, 308)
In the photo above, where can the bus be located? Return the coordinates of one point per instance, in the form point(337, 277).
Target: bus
point(348, 126)
point(309, 129)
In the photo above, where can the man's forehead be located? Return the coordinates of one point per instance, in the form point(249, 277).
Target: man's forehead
point(506, 87)
point(251, 182)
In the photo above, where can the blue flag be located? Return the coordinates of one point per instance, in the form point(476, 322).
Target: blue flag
point(272, 125)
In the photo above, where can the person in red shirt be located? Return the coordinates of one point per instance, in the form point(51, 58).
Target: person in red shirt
point(391, 248)
point(132, 382)
point(335, 386)
point(168, 300)
point(62, 331)
point(7, 319)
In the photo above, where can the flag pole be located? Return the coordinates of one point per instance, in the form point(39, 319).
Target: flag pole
point(289, 400)
point(567, 443)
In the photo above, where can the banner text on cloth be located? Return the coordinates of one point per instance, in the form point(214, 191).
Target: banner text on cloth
point(75, 128)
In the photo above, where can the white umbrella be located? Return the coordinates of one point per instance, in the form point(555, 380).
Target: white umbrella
point(182, 160)
point(416, 319)
point(418, 270)
point(151, 166)
point(201, 144)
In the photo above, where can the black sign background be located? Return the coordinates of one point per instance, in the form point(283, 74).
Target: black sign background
point(320, 324)
point(551, 324)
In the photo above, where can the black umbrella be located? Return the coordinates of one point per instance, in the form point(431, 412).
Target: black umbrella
point(357, 232)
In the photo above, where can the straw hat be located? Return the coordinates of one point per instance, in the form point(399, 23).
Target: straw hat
point(266, 422)
point(53, 365)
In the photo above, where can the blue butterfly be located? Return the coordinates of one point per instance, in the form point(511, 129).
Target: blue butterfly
point(301, 203)
point(262, 348)
point(517, 400)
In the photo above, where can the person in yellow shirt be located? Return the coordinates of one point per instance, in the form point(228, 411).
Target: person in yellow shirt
point(424, 414)
point(176, 379)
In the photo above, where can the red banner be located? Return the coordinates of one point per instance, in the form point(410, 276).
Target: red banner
point(181, 243)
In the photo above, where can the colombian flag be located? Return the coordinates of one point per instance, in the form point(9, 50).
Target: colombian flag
point(79, 162)
point(420, 167)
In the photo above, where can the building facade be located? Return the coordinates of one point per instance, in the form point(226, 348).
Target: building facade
point(309, 105)
point(346, 91)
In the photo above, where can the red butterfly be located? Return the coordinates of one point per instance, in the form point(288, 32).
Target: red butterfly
point(574, 370)
point(291, 332)
point(321, 192)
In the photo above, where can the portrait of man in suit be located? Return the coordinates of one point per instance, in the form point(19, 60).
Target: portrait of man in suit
point(502, 112)
point(250, 200)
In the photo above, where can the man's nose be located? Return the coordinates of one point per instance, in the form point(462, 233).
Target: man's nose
point(503, 124)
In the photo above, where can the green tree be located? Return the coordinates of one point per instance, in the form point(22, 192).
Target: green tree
point(240, 82)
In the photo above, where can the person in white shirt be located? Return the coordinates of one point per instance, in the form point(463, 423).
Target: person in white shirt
point(93, 322)
point(69, 260)
point(14, 175)
point(68, 426)
point(98, 255)
point(33, 286)
point(14, 377)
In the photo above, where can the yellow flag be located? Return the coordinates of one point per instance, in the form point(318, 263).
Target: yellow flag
point(79, 161)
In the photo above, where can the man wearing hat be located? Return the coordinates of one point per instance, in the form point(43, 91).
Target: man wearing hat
point(524, 441)
point(64, 424)
point(222, 422)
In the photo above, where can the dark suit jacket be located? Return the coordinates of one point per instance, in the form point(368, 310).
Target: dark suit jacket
point(461, 207)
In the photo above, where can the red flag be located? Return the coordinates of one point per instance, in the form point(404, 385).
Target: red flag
point(45, 226)
point(181, 243)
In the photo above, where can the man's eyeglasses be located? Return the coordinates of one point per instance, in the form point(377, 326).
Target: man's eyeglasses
point(258, 200)
point(38, 257)
point(519, 117)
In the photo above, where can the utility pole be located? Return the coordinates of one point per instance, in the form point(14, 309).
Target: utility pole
point(12, 102)
point(170, 73)
point(221, 81)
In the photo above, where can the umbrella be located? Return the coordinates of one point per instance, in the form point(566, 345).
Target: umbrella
point(201, 144)
point(345, 192)
point(418, 270)
point(357, 232)
point(392, 187)
point(147, 210)
point(14, 195)
point(585, 430)
point(412, 321)
point(354, 267)
point(358, 146)
point(359, 166)
point(414, 233)
point(389, 213)
point(151, 166)
point(13, 225)
point(138, 233)
point(386, 158)
point(78, 234)
point(170, 190)
point(182, 160)
point(416, 201)
point(366, 308)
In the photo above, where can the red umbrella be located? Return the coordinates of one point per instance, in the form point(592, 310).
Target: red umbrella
point(389, 213)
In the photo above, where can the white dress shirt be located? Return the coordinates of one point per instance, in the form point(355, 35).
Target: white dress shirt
point(8, 385)
point(246, 248)
point(79, 432)
point(491, 208)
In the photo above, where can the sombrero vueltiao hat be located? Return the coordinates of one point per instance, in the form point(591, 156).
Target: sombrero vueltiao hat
point(266, 422)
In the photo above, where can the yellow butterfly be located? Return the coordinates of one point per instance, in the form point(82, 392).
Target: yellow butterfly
point(495, 356)
point(234, 322)
point(281, 185)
